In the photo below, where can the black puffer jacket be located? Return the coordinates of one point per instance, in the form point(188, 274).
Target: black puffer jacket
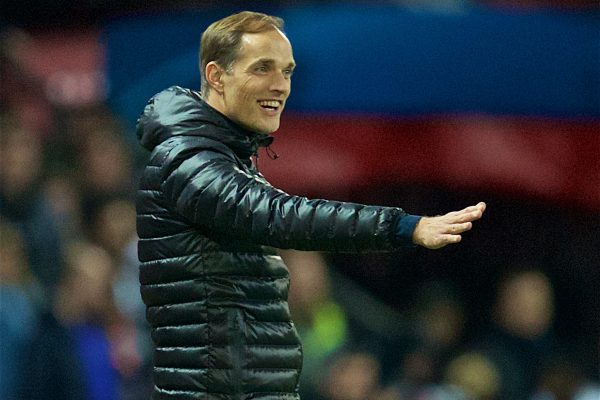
point(215, 289)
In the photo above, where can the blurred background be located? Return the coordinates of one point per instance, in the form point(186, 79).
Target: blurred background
point(427, 105)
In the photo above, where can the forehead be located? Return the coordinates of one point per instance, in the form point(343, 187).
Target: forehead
point(272, 44)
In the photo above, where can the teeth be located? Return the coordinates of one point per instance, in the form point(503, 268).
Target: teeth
point(266, 103)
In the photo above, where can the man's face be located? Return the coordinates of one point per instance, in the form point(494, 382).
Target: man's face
point(256, 87)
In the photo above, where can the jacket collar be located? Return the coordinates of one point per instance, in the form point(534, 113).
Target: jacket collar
point(241, 140)
point(179, 111)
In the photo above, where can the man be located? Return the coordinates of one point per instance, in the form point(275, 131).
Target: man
point(215, 289)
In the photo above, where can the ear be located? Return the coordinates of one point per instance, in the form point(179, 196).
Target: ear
point(214, 74)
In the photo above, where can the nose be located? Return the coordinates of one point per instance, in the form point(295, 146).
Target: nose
point(281, 83)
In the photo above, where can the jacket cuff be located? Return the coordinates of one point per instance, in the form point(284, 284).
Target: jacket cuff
point(405, 226)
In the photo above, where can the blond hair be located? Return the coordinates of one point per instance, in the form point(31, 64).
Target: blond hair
point(221, 41)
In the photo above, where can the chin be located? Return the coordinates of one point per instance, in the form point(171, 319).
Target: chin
point(268, 129)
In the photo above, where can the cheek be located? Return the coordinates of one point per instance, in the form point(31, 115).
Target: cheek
point(253, 87)
point(240, 98)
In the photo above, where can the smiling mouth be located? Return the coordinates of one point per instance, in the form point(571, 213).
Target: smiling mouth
point(270, 105)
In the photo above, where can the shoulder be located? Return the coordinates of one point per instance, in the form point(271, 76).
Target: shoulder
point(185, 146)
point(173, 152)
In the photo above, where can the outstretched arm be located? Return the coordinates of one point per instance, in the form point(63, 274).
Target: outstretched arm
point(210, 191)
point(437, 232)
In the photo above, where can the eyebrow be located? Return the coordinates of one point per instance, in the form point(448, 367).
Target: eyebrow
point(270, 61)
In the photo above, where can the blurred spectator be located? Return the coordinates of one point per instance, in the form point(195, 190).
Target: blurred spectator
point(320, 321)
point(562, 378)
point(23, 204)
point(113, 228)
point(440, 317)
point(520, 339)
point(112, 225)
point(17, 310)
point(21, 91)
point(104, 161)
point(355, 376)
point(475, 374)
point(64, 199)
point(71, 356)
point(438, 324)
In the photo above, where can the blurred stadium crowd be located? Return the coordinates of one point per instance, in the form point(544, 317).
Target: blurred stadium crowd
point(72, 325)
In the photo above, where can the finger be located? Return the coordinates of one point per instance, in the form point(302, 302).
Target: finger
point(449, 239)
point(482, 206)
point(459, 228)
point(466, 210)
point(472, 214)
point(442, 241)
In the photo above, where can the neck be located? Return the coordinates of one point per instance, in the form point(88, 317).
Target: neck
point(215, 100)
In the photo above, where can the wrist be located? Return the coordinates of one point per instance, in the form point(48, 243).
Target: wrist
point(405, 229)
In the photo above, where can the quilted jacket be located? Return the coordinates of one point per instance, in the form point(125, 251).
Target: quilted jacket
point(214, 286)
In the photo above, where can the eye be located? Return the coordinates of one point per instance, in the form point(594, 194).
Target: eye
point(261, 69)
point(288, 72)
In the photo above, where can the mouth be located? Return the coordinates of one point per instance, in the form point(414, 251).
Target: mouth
point(272, 107)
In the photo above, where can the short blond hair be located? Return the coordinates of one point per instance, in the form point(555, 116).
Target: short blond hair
point(221, 41)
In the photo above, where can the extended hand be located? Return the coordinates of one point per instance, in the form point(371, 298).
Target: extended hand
point(437, 232)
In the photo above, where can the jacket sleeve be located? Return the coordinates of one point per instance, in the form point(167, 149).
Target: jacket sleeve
point(211, 191)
